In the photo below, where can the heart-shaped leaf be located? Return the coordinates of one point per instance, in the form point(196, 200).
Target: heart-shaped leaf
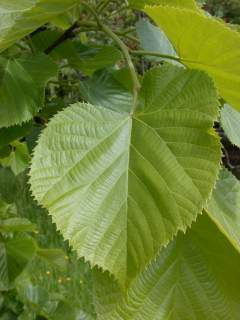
point(119, 186)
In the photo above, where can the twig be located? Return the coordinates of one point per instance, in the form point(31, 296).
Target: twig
point(154, 54)
point(103, 5)
point(124, 49)
point(66, 35)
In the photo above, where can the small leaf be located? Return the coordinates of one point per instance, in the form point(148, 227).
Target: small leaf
point(22, 84)
point(15, 254)
point(224, 206)
point(202, 42)
point(230, 121)
point(16, 225)
point(195, 277)
point(7, 210)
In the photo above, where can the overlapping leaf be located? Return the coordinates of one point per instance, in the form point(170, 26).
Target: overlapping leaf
point(19, 18)
point(15, 254)
point(196, 277)
point(204, 43)
point(103, 89)
point(120, 186)
point(22, 83)
point(153, 39)
point(230, 121)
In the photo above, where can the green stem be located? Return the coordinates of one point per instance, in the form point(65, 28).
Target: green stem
point(125, 51)
point(103, 5)
point(154, 54)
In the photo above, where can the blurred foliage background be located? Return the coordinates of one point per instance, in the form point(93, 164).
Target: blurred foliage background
point(229, 10)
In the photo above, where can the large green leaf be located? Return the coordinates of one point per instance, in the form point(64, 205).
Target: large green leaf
point(202, 42)
point(140, 4)
point(120, 186)
point(22, 83)
point(19, 18)
point(15, 254)
point(224, 207)
point(196, 277)
point(230, 122)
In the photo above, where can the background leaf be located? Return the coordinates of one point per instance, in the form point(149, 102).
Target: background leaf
point(26, 78)
point(16, 225)
point(8, 135)
point(15, 254)
point(18, 19)
point(104, 89)
point(224, 206)
point(153, 39)
point(230, 122)
point(18, 159)
point(8, 186)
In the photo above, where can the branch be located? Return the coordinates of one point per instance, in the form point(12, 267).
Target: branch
point(124, 49)
point(66, 35)
point(103, 5)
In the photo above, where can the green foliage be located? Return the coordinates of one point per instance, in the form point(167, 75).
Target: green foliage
point(113, 124)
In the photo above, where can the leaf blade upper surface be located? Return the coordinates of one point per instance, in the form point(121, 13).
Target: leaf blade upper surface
point(204, 43)
point(119, 187)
